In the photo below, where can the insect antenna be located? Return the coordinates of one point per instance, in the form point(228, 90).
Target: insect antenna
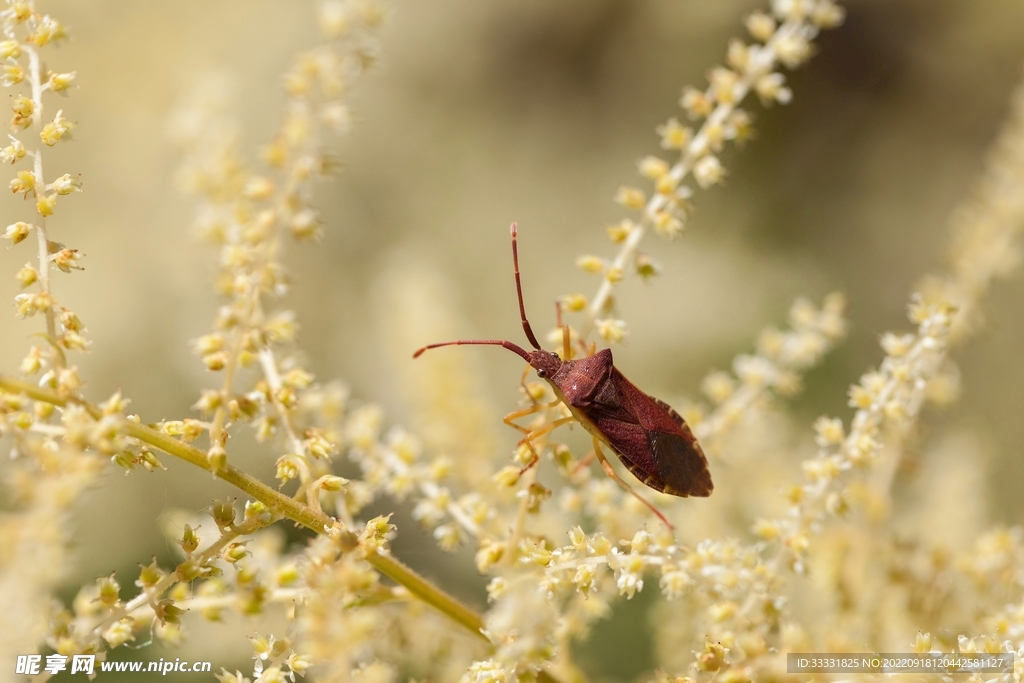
point(519, 292)
point(493, 342)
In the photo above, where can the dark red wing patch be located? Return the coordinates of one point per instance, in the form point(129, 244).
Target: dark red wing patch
point(679, 457)
point(681, 464)
point(672, 455)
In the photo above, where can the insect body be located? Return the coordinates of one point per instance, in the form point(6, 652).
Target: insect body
point(650, 438)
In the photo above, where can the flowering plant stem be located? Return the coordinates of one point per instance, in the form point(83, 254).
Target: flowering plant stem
point(276, 501)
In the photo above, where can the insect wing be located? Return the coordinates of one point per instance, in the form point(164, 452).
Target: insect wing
point(674, 455)
point(631, 443)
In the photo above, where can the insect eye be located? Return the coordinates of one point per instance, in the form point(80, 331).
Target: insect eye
point(542, 373)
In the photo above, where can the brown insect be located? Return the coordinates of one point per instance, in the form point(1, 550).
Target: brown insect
point(650, 438)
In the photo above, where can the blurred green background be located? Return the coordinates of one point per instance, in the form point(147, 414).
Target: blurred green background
point(481, 113)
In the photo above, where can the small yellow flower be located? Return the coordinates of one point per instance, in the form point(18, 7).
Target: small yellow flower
point(70, 321)
point(827, 14)
point(696, 103)
point(708, 171)
point(793, 50)
point(738, 55)
point(275, 154)
point(645, 266)
point(630, 197)
point(318, 445)
point(47, 30)
point(754, 371)
point(305, 225)
point(13, 152)
point(673, 134)
point(860, 397)
point(189, 540)
point(667, 225)
point(10, 49)
point(590, 264)
point(23, 107)
point(337, 116)
point(829, 431)
point(722, 610)
point(53, 131)
point(612, 331)
point(210, 343)
point(584, 578)
point(761, 26)
point(27, 276)
point(667, 184)
point(259, 188)
point(21, 10)
point(217, 458)
point(334, 19)
point(653, 167)
point(287, 467)
point(66, 184)
point(618, 232)
point(714, 137)
point(770, 88)
point(374, 538)
point(119, 633)
point(724, 85)
point(12, 75)
point(75, 342)
point(506, 477)
point(767, 529)
point(739, 126)
point(45, 205)
point(24, 182)
point(718, 386)
point(897, 345)
point(61, 82)
point(712, 658)
point(32, 362)
point(574, 302)
point(16, 232)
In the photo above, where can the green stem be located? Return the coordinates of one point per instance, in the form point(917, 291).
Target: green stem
point(427, 592)
point(288, 507)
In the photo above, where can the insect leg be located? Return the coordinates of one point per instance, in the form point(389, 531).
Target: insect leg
point(535, 408)
point(610, 471)
point(522, 385)
point(586, 460)
point(530, 436)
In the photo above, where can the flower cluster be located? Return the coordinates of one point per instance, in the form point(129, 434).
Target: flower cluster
point(27, 32)
point(890, 397)
point(392, 465)
point(985, 240)
point(248, 214)
point(776, 367)
point(783, 37)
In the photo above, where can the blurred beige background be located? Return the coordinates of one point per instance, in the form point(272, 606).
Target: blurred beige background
point(481, 113)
